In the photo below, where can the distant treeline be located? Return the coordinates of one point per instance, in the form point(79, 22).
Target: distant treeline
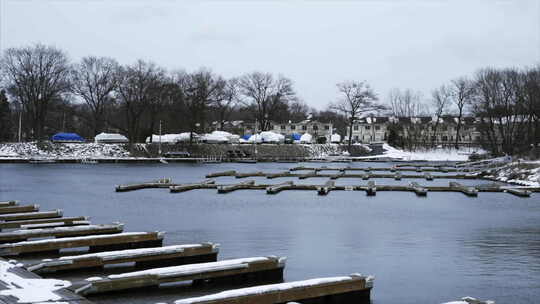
point(41, 88)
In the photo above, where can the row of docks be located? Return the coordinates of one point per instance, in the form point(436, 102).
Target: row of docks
point(28, 233)
point(370, 187)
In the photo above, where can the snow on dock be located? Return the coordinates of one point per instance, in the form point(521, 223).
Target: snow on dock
point(31, 215)
point(96, 243)
point(18, 285)
point(18, 209)
point(20, 223)
point(333, 290)
point(25, 234)
point(8, 203)
point(142, 257)
point(249, 269)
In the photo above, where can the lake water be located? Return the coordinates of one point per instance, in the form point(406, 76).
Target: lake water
point(420, 250)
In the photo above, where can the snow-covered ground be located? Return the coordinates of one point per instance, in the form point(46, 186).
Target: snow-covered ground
point(525, 173)
point(58, 150)
point(438, 154)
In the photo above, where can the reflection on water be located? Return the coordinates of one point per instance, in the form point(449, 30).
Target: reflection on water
point(421, 250)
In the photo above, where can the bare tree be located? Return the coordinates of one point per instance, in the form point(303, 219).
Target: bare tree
point(441, 102)
point(199, 90)
point(226, 99)
point(462, 91)
point(356, 97)
point(94, 80)
point(35, 76)
point(405, 103)
point(266, 94)
point(138, 86)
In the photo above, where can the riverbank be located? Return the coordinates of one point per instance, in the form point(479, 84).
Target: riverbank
point(525, 173)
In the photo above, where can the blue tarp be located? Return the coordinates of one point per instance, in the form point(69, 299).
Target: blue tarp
point(67, 137)
point(246, 137)
point(296, 136)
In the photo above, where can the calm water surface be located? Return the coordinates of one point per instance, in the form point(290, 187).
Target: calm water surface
point(421, 250)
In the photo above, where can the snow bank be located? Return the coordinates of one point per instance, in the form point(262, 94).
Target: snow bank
point(71, 150)
point(525, 173)
point(29, 290)
point(429, 155)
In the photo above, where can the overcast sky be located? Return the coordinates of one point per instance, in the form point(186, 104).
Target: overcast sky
point(389, 43)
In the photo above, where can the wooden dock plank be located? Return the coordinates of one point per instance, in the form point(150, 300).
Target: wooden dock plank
point(25, 234)
point(206, 184)
point(337, 290)
point(19, 209)
point(8, 203)
point(274, 189)
point(193, 272)
point(31, 215)
point(20, 223)
point(97, 243)
point(233, 187)
point(419, 190)
point(469, 191)
point(159, 183)
point(142, 257)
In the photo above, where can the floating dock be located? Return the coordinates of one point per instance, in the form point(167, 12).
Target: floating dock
point(96, 243)
point(142, 258)
point(59, 232)
point(244, 270)
point(66, 221)
point(334, 290)
point(31, 215)
point(18, 209)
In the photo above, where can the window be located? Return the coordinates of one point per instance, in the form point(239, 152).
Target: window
point(283, 127)
point(315, 127)
point(293, 127)
point(304, 127)
point(356, 128)
point(327, 127)
point(368, 127)
point(356, 138)
point(445, 129)
point(377, 128)
point(445, 138)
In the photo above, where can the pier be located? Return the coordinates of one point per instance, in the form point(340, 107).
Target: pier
point(236, 271)
point(334, 290)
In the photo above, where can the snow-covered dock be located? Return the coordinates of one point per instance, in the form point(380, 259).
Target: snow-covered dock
point(370, 188)
point(8, 203)
point(317, 173)
point(96, 243)
point(65, 221)
point(17, 285)
point(18, 209)
point(31, 215)
point(252, 270)
point(333, 290)
point(142, 258)
point(58, 232)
